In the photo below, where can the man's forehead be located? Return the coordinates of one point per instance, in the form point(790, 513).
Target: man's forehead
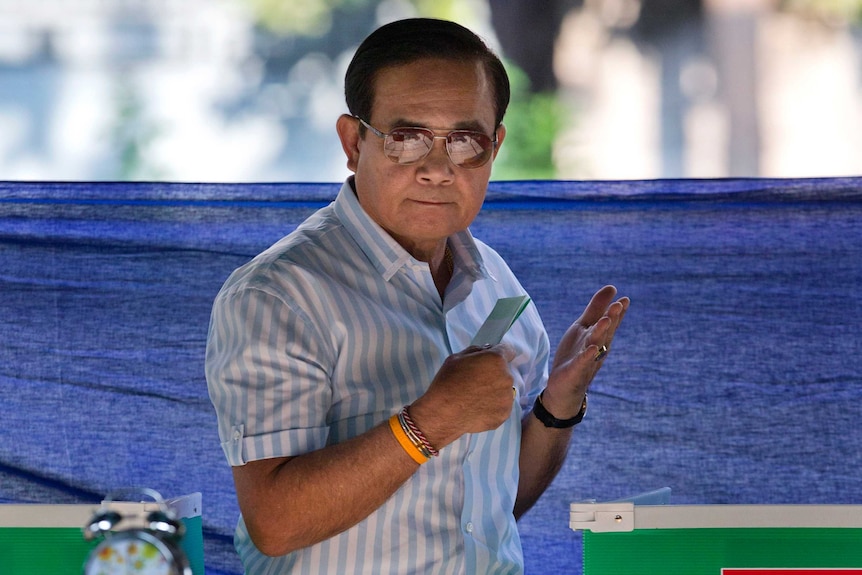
point(403, 93)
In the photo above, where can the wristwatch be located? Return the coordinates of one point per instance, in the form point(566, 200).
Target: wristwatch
point(549, 420)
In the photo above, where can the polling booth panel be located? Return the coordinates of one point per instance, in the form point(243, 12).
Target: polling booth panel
point(47, 539)
point(626, 538)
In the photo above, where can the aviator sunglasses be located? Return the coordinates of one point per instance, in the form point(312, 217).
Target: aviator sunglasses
point(466, 149)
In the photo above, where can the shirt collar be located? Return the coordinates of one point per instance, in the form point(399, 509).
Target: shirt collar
point(387, 255)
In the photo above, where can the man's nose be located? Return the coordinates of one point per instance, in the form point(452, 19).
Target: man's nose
point(437, 166)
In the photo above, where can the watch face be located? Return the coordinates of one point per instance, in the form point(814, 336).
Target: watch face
point(132, 552)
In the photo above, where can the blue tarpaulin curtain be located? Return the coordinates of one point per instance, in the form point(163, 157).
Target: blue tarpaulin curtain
point(736, 378)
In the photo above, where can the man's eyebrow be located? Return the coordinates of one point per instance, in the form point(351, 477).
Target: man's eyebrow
point(471, 125)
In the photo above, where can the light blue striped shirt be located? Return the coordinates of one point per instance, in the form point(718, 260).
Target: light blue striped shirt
point(327, 334)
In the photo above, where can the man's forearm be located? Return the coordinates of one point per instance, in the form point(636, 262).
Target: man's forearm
point(543, 451)
point(290, 503)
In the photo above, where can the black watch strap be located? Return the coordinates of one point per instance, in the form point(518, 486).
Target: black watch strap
point(549, 420)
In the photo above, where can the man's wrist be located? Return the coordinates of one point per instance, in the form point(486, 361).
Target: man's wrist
point(549, 420)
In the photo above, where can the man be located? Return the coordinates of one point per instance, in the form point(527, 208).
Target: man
point(364, 433)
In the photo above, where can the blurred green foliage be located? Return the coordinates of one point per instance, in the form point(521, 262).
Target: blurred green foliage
point(132, 135)
point(840, 11)
point(314, 17)
point(532, 122)
point(299, 17)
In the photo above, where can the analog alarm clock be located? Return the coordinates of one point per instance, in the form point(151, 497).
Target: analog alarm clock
point(145, 543)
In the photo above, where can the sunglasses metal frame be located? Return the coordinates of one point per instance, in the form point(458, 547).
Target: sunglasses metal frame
point(384, 135)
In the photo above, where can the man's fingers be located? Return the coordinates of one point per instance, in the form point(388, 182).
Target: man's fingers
point(598, 305)
point(503, 349)
point(616, 312)
point(506, 350)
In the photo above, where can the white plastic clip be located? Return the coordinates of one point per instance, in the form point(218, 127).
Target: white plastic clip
point(602, 517)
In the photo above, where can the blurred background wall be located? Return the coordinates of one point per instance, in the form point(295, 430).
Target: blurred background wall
point(249, 90)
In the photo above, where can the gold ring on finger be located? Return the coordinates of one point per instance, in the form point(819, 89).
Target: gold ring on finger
point(603, 351)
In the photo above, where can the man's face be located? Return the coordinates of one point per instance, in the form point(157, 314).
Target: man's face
point(421, 204)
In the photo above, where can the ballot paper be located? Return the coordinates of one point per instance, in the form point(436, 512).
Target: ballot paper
point(501, 318)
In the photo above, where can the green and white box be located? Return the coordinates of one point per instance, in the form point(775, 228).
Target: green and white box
point(627, 539)
point(45, 539)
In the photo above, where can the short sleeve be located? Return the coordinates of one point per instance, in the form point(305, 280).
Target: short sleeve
point(267, 377)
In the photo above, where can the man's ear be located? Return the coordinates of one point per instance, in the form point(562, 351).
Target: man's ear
point(348, 132)
point(501, 135)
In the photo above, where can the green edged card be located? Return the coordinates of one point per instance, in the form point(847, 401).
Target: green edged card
point(501, 318)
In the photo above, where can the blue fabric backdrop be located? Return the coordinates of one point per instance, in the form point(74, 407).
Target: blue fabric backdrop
point(735, 379)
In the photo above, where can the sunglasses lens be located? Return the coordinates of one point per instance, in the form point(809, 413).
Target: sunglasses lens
point(408, 145)
point(466, 149)
point(469, 149)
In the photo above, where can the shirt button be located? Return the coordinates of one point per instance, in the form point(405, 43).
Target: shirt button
point(237, 435)
point(469, 527)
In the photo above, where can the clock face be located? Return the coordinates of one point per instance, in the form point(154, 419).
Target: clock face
point(130, 553)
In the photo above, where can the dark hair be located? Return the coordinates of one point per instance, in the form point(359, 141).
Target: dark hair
point(406, 41)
